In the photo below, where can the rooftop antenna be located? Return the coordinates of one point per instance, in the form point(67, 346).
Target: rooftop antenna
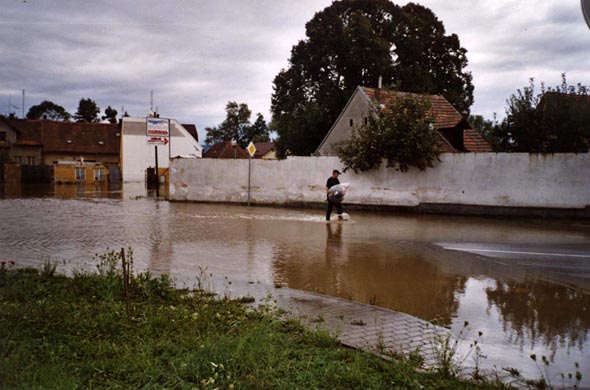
point(23, 104)
point(152, 101)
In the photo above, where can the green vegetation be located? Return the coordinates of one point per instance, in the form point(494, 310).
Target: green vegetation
point(555, 120)
point(236, 126)
point(64, 333)
point(49, 110)
point(405, 139)
point(352, 43)
point(88, 111)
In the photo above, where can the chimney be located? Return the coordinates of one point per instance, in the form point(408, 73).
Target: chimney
point(380, 82)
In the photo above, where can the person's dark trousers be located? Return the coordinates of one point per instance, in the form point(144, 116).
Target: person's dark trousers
point(331, 207)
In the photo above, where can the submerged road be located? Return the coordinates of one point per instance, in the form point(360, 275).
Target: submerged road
point(568, 263)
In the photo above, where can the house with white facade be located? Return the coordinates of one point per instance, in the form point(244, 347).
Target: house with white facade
point(138, 152)
point(455, 134)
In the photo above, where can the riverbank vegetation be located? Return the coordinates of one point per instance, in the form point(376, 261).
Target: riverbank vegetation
point(85, 331)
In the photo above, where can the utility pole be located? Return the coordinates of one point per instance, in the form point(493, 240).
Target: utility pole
point(23, 104)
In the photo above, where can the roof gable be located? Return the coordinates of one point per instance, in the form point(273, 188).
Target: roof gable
point(225, 149)
point(192, 130)
point(262, 148)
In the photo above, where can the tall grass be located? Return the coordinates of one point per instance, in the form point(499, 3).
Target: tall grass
point(66, 333)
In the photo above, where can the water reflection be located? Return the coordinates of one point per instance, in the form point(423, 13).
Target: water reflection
point(391, 261)
point(553, 315)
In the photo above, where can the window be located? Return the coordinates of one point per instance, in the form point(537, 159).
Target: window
point(30, 160)
point(351, 122)
point(81, 174)
point(98, 174)
point(2, 136)
point(366, 121)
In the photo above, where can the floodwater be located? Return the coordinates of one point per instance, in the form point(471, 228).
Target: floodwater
point(410, 263)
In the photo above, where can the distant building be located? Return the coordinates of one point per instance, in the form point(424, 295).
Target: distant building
point(137, 155)
point(70, 172)
point(265, 151)
point(455, 133)
point(36, 146)
point(226, 149)
point(43, 142)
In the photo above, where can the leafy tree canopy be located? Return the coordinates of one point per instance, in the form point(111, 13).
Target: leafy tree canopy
point(401, 133)
point(556, 120)
point(48, 110)
point(351, 43)
point(87, 111)
point(236, 126)
point(110, 114)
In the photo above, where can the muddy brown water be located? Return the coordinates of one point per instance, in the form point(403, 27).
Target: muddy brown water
point(522, 306)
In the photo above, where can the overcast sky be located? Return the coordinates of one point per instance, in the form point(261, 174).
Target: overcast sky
point(196, 55)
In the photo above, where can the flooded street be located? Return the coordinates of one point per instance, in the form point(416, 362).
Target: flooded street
point(524, 283)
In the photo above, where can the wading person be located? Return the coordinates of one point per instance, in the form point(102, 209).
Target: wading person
point(333, 201)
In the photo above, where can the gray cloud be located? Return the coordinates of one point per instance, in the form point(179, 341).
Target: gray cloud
point(198, 54)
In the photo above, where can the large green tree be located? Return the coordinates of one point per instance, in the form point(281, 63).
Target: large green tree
point(402, 133)
point(555, 120)
point(48, 110)
point(236, 126)
point(88, 111)
point(351, 43)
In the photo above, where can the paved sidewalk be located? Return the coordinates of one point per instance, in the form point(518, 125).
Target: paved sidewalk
point(357, 325)
point(380, 331)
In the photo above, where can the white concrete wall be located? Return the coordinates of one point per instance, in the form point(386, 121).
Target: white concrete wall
point(488, 179)
point(137, 155)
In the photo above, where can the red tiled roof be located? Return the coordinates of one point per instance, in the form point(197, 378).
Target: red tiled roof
point(474, 142)
point(444, 114)
point(444, 146)
point(69, 137)
point(225, 150)
point(262, 148)
point(192, 130)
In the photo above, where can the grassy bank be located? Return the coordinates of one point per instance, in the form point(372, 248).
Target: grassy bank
point(65, 333)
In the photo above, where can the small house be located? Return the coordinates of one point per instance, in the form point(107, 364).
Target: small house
point(455, 133)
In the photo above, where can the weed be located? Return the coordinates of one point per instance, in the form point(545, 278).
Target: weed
point(49, 267)
point(373, 300)
point(381, 347)
point(446, 353)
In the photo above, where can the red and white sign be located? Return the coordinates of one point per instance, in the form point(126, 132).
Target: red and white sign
point(158, 131)
point(157, 140)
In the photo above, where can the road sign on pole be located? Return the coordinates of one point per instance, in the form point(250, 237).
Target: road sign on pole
point(157, 131)
point(251, 149)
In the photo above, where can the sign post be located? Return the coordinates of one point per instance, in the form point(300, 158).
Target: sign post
point(157, 133)
point(251, 150)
